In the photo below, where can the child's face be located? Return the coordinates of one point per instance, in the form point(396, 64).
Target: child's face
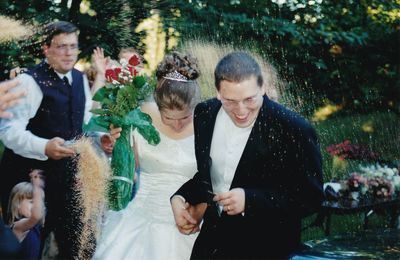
point(25, 207)
point(127, 55)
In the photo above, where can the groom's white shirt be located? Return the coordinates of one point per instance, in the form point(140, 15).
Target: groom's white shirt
point(227, 147)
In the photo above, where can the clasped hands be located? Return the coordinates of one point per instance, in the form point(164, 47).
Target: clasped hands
point(188, 217)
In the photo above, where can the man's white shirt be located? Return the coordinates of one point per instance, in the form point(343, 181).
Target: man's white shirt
point(227, 147)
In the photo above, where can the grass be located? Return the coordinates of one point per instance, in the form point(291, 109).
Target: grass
point(342, 224)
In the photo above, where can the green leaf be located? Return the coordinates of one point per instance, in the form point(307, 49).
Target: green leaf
point(97, 124)
point(139, 81)
point(100, 94)
point(150, 133)
point(117, 121)
point(143, 123)
point(123, 165)
point(99, 111)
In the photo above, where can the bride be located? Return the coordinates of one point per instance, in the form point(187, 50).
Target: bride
point(146, 229)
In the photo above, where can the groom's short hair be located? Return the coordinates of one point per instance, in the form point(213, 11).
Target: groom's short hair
point(236, 67)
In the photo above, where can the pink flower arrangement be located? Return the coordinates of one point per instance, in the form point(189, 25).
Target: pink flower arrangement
point(380, 188)
point(356, 182)
point(347, 150)
point(354, 187)
point(373, 182)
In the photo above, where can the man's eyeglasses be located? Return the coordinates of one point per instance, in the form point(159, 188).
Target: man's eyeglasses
point(248, 102)
point(66, 47)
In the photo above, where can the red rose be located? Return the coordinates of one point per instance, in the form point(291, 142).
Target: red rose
point(134, 60)
point(110, 75)
point(117, 71)
point(133, 71)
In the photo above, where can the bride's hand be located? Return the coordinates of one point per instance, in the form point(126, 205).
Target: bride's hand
point(107, 143)
point(185, 223)
point(115, 132)
point(197, 213)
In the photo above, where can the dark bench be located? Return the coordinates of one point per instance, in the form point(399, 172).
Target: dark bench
point(367, 207)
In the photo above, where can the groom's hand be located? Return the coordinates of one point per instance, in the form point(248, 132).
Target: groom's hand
point(233, 201)
point(185, 222)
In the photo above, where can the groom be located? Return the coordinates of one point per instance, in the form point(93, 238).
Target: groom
point(259, 171)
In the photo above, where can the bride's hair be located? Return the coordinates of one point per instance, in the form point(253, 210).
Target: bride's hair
point(177, 87)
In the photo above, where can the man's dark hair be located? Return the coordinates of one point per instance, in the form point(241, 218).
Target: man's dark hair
point(237, 67)
point(56, 28)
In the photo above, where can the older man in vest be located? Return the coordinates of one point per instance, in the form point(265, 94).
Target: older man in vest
point(57, 103)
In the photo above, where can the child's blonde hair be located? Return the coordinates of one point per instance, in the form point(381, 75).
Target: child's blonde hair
point(21, 191)
point(128, 50)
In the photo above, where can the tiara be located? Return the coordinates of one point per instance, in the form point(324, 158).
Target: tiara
point(176, 76)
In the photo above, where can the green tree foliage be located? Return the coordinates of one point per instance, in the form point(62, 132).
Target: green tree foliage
point(333, 49)
point(104, 23)
point(346, 51)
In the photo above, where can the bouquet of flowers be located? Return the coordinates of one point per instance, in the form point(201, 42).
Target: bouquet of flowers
point(120, 99)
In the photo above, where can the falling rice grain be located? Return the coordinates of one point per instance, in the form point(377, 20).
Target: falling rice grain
point(92, 178)
point(11, 29)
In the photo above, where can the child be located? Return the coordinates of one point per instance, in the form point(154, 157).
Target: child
point(26, 214)
point(127, 53)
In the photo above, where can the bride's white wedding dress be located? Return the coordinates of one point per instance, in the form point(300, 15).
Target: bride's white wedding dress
point(145, 229)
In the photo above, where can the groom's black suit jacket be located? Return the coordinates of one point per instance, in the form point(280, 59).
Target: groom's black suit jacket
point(280, 171)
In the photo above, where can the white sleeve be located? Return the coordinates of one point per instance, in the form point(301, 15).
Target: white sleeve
point(13, 131)
point(88, 102)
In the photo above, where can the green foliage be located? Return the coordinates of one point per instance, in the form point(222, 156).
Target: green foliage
point(343, 224)
point(117, 100)
point(111, 27)
point(344, 51)
point(335, 48)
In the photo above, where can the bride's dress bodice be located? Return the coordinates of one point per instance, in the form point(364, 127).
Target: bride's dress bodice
point(146, 228)
point(163, 169)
